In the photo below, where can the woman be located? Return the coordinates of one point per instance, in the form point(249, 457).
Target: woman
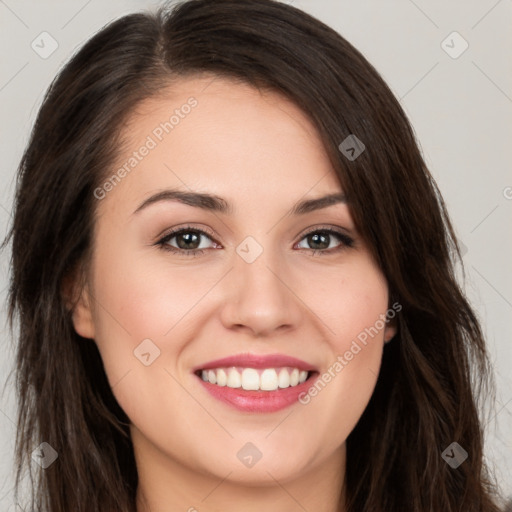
point(234, 279)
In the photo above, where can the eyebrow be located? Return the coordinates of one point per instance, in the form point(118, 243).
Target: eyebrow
point(215, 203)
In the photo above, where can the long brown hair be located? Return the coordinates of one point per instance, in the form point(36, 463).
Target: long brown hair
point(432, 373)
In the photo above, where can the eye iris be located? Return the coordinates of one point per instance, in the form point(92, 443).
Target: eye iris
point(316, 238)
point(188, 239)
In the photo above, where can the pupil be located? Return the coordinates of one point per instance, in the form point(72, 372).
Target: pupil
point(315, 238)
point(189, 238)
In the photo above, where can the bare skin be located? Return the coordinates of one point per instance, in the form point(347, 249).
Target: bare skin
point(262, 155)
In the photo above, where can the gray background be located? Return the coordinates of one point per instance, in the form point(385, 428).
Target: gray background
point(461, 109)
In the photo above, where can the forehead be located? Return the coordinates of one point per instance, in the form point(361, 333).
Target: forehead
point(224, 137)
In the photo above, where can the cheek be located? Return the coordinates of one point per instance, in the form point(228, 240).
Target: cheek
point(139, 333)
point(352, 311)
point(137, 301)
point(128, 309)
point(349, 302)
point(358, 338)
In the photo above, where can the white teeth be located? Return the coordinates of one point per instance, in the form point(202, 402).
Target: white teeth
point(222, 378)
point(284, 379)
point(269, 380)
point(234, 379)
point(250, 379)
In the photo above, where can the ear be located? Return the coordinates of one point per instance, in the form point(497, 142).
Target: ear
point(390, 330)
point(78, 301)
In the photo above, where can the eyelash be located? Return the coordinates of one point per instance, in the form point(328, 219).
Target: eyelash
point(345, 240)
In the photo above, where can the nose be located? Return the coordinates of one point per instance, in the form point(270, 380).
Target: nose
point(259, 297)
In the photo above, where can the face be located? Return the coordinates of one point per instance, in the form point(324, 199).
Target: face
point(241, 271)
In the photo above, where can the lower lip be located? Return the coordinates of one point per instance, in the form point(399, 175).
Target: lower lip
point(258, 401)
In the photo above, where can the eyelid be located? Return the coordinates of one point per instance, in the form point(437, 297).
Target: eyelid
point(188, 227)
point(327, 227)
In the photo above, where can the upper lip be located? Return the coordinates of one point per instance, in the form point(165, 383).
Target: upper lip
point(257, 361)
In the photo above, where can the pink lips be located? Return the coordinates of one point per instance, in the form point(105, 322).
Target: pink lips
point(258, 401)
point(257, 361)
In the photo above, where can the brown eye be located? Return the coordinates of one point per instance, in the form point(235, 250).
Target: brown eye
point(326, 240)
point(319, 240)
point(187, 241)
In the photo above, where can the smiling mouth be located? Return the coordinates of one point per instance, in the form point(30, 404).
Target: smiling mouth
point(255, 379)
